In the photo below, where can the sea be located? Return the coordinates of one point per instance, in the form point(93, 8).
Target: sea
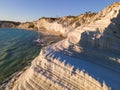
point(17, 49)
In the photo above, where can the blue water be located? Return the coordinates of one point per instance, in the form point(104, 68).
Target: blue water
point(17, 49)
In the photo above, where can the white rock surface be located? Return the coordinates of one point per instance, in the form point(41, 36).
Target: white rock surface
point(93, 48)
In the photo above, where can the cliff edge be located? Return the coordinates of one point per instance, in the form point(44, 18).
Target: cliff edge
point(88, 59)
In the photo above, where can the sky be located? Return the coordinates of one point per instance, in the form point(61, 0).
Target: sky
point(30, 10)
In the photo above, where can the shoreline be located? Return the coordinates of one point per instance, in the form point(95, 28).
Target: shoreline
point(44, 35)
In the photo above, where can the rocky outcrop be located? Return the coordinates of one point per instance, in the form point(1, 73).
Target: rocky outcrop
point(61, 26)
point(91, 37)
point(8, 24)
point(49, 73)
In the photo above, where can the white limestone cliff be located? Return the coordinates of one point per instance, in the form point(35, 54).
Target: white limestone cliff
point(95, 43)
point(61, 26)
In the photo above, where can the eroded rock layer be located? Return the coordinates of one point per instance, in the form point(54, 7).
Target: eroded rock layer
point(90, 37)
point(48, 73)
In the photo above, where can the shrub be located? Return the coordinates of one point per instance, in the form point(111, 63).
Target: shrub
point(31, 25)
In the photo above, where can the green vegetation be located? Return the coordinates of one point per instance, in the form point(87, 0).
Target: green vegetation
point(31, 25)
point(71, 16)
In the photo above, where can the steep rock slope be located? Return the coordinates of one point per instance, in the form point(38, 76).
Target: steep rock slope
point(50, 73)
point(60, 26)
point(92, 46)
point(103, 31)
point(8, 24)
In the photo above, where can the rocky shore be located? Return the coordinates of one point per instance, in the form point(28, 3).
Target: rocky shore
point(87, 59)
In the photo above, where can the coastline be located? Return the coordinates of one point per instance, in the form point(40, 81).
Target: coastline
point(43, 35)
point(91, 48)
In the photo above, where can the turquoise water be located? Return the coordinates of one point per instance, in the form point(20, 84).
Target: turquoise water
point(17, 49)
